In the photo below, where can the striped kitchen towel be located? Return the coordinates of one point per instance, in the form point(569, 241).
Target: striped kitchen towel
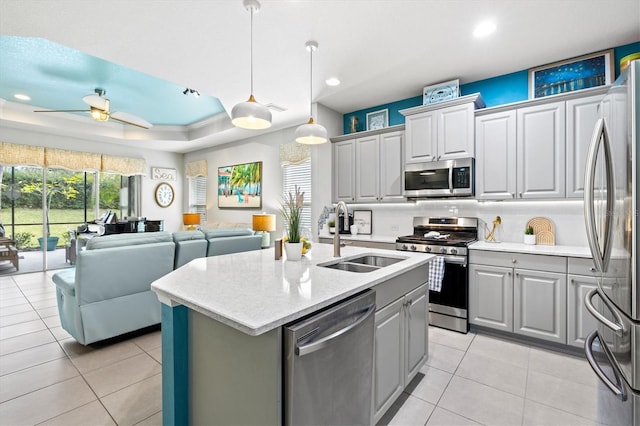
point(436, 273)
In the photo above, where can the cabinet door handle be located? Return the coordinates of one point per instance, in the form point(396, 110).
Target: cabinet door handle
point(513, 260)
point(509, 273)
point(592, 269)
point(517, 274)
point(521, 195)
point(513, 195)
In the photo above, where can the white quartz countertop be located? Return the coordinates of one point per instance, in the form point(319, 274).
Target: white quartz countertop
point(254, 293)
point(569, 251)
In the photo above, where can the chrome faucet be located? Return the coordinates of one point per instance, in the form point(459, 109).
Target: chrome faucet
point(336, 236)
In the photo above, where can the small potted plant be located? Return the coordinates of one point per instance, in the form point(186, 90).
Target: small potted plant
point(292, 213)
point(332, 226)
point(529, 236)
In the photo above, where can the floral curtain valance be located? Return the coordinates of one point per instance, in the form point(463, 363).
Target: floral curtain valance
point(196, 168)
point(294, 153)
point(27, 155)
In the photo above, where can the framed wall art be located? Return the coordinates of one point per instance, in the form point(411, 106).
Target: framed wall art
point(240, 186)
point(579, 73)
point(378, 119)
point(362, 218)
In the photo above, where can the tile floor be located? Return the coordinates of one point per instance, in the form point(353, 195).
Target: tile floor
point(474, 379)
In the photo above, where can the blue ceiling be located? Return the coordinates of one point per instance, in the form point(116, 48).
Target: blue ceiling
point(57, 77)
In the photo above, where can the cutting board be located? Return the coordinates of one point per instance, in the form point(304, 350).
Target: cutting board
point(543, 229)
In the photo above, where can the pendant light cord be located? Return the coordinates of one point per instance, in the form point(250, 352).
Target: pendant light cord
point(311, 82)
point(251, 50)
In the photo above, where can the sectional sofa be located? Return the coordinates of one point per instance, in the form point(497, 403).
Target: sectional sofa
point(108, 292)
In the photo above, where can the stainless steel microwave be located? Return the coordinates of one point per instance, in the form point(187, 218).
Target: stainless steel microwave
point(450, 178)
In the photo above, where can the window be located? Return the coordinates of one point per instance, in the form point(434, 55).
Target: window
point(198, 196)
point(299, 174)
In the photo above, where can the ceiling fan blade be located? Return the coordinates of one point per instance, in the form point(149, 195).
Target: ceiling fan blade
point(125, 117)
point(61, 110)
point(97, 101)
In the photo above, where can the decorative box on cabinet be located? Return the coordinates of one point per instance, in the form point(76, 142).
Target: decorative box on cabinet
point(441, 131)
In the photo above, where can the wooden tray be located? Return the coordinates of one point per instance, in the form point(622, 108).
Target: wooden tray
point(543, 228)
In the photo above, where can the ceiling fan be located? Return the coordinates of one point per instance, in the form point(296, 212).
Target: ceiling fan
point(99, 110)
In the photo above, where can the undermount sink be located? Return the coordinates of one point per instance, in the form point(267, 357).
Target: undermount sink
point(364, 263)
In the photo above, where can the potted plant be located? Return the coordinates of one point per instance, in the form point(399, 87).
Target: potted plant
point(529, 236)
point(292, 213)
point(63, 186)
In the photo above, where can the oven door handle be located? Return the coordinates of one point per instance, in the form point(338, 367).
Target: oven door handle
point(458, 260)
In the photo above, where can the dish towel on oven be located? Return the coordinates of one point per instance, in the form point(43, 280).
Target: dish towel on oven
point(436, 273)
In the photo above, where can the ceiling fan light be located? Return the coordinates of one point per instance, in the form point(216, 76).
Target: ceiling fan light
point(99, 115)
point(311, 133)
point(251, 115)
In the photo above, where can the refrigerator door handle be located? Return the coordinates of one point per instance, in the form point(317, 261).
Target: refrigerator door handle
point(302, 350)
point(600, 254)
point(617, 328)
point(618, 388)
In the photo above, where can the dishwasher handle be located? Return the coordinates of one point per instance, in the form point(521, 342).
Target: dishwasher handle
point(326, 341)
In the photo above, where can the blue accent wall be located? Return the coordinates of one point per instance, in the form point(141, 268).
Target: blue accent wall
point(499, 90)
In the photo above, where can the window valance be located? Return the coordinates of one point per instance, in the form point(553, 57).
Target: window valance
point(196, 168)
point(27, 155)
point(294, 153)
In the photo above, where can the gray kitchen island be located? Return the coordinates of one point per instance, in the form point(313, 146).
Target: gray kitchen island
point(223, 318)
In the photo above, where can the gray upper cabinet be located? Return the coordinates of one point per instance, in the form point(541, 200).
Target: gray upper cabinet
point(496, 156)
point(344, 171)
point(540, 145)
point(582, 115)
point(535, 149)
point(368, 169)
point(441, 131)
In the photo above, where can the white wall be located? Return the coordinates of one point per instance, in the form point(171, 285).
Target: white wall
point(566, 215)
point(266, 148)
point(171, 215)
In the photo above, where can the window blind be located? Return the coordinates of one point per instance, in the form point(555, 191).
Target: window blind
point(299, 174)
point(198, 196)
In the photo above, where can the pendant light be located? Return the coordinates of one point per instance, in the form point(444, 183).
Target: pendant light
point(311, 133)
point(251, 114)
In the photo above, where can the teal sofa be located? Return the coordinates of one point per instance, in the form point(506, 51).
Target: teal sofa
point(108, 292)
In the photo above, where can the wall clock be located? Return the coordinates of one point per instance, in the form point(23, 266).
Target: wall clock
point(164, 194)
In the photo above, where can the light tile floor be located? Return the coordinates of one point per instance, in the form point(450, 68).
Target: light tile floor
point(473, 379)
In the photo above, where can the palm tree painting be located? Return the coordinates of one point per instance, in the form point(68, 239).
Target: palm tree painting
point(240, 186)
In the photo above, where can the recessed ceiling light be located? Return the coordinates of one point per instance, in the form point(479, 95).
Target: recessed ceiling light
point(333, 81)
point(22, 97)
point(483, 29)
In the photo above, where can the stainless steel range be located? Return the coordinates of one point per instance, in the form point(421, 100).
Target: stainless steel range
point(447, 237)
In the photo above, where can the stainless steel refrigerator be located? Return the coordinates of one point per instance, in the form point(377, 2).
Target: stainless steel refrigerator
point(611, 214)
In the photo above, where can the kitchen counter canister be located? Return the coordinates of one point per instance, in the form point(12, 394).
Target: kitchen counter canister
point(254, 293)
point(568, 251)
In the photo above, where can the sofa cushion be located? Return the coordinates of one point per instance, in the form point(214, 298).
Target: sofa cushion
point(120, 240)
point(187, 236)
point(235, 232)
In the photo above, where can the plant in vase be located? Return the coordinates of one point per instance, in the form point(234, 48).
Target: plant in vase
point(292, 213)
point(529, 236)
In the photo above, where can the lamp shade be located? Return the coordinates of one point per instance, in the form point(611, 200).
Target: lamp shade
point(264, 222)
point(251, 115)
point(311, 133)
point(191, 220)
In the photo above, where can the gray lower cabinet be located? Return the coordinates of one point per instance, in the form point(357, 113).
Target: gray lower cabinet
point(401, 347)
point(540, 305)
point(519, 293)
point(491, 297)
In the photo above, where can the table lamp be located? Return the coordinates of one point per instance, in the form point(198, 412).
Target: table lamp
point(264, 223)
point(191, 220)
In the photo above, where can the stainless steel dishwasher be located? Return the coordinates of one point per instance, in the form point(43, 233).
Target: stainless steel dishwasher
point(328, 367)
